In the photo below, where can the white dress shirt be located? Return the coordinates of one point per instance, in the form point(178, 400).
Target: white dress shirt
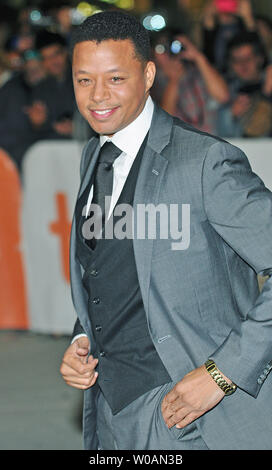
point(129, 140)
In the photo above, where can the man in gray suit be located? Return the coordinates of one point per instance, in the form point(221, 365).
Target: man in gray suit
point(172, 345)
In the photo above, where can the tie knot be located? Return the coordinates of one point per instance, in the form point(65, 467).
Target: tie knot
point(108, 153)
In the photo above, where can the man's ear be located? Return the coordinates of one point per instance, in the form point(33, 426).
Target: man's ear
point(150, 72)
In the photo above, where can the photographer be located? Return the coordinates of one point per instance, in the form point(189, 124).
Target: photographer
point(187, 85)
point(222, 20)
point(249, 111)
point(52, 110)
point(16, 95)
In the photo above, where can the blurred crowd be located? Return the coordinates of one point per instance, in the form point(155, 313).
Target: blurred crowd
point(216, 76)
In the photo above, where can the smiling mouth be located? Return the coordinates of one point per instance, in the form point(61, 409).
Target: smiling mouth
point(102, 113)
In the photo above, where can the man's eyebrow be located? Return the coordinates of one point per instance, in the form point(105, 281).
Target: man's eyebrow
point(115, 70)
point(81, 71)
point(78, 72)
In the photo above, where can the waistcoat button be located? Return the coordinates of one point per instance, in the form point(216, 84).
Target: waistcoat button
point(96, 300)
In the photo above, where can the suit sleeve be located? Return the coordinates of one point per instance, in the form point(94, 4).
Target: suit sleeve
point(78, 329)
point(239, 207)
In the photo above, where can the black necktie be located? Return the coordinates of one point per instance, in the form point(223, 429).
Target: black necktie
point(103, 179)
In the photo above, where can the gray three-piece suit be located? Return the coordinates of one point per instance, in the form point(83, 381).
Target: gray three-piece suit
point(201, 302)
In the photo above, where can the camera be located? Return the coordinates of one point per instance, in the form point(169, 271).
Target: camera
point(176, 47)
point(171, 46)
point(249, 88)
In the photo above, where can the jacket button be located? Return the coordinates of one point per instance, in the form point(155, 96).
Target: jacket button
point(96, 300)
point(94, 272)
point(98, 328)
point(102, 354)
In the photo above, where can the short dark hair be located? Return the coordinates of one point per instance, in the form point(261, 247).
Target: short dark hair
point(46, 38)
point(114, 25)
point(246, 39)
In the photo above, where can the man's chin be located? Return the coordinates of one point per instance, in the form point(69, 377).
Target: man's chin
point(103, 129)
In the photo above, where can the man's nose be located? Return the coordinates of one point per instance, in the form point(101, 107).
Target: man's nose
point(99, 92)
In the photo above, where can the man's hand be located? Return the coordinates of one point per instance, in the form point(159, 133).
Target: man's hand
point(209, 14)
point(245, 12)
point(75, 369)
point(171, 66)
point(195, 394)
point(241, 105)
point(191, 52)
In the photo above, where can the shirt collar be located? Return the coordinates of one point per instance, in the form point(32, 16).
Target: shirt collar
point(130, 139)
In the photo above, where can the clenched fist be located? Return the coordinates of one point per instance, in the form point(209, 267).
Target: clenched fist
point(75, 369)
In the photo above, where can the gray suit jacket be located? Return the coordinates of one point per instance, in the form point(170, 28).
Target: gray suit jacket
point(203, 301)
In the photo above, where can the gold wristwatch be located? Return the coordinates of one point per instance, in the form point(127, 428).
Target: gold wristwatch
point(228, 389)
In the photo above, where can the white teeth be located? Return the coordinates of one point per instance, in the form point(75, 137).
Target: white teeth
point(103, 112)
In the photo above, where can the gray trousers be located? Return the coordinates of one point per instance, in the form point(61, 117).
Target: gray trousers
point(140, 426)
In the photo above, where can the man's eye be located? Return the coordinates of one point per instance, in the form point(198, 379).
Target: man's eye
point(116, 79)
point(83, 81)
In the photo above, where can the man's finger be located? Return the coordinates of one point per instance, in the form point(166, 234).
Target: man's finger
point(170, 398)
point(78, 366)
point(172, 395)
point(82, 342)
point(82, 386)
point(80, 380)
point(82, 351)
point(173, 416)
point(175, 412)
point(69, 371)
point(187, 420)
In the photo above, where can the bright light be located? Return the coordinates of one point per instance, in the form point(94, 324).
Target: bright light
point(35, 16)
point(125, 4)
point(157, 22)
point(154, 22)
point(85, 9)
point(176, 47)
point(77, 17)
point(160, 49)
point(147, 22)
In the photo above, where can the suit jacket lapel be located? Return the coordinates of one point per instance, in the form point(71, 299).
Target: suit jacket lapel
point(149, 182)
point(147, 192)
point(89, 157)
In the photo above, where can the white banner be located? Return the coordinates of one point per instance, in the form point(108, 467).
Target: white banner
point(50, 185)
point(259, 154)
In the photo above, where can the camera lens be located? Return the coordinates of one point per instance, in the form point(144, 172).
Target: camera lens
point(176, 47)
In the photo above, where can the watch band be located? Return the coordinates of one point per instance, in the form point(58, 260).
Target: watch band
point(211, 368)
